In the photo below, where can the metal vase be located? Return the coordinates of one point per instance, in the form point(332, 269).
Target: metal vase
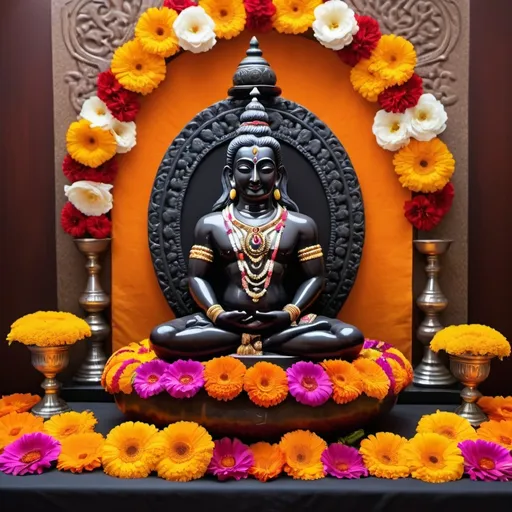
point(50, 361)
point(431, 372)
point(94, 301)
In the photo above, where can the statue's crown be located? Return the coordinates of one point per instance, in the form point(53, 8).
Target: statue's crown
point(254, 119)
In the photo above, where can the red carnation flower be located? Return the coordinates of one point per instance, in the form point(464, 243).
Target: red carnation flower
point(259, 15)
point(401, 97)
point(98, 226)
point(73, 221)
point(364, 42)
point(443, 199)
point(75, 171)
point(178, 5)
point(421, 213)
point(107, 85)
point(124, 105)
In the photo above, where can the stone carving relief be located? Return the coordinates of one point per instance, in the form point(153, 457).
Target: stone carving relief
point(93, 29)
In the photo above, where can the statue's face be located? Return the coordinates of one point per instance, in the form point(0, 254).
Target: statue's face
point(255, 172)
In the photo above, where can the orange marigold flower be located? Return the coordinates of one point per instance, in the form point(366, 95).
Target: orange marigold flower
point(224, 377)
point(303, 451)
point(498, 408)
point(375, 381)
point(347, 384)
point(268, 461)
point(266, 384)
point(16, 424)
point(18, 402)
point(81, 452)
point(499, 432)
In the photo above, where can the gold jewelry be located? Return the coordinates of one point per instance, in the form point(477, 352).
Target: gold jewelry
point(311, 257)
point(293, 311)
point(277, 194)
point(232, 194)
point(200, 252)
point(310, 248)
point(310, 253)
point(214, 312)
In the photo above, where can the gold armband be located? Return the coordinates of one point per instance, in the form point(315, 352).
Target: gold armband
point(200, 252)
point(310, 253)
point(293, 311)
point(214, 311)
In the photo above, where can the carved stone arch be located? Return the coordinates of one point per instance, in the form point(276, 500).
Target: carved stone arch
point(293, 125)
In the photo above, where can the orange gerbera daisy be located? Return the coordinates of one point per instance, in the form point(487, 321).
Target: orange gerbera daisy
point(69, 423)
point(16, 424)
point(498, 408)
point(400, 375)
point(81, 452)
point(499, 432)
point(18, 402)
point(268, 461)
point(384, 455)
point(347, 384)
point(375, 381)
point(224, 377)
point(447, 424)
point(266, 384)
point(407, 364)
point(303, 451)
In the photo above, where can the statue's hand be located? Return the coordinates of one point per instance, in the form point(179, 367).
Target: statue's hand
point(275, 320)
point(231, 321)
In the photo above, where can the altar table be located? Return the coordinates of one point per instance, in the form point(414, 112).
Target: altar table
point(96, 492)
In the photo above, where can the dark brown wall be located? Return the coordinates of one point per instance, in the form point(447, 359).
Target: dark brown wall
point(27, 232)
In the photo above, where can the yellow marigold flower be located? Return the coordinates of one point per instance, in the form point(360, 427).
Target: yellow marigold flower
point(268, 461)
point(375, 381)
point(294, 16)
point(18, 402)
point(229, 16)
point(347, 384)
point(81, 452)
point(70, 423)
point(384, 456)
point(393, 60)
point(447, 424)
point(155, 33)
point(303, 451)
point(136, 69)
point(131, 450)
point(48, 329)
point(474, 339)
point(188, 450)
point(266, 384)
point(424, 166)
point(366, 83)
point(434, 458)
point(16, 424)
point(499, 432)
point(224, 377)
point(498, 408)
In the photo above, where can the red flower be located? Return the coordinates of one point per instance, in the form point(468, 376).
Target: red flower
point(421, 213)
point(443, 199)
point(364, 42)
point(75, 171)
point(401, 97)
point(73, 221)
point(124, 105)
point(178, 5)
point(259, 15)
point(107, 85)
point(98, 226)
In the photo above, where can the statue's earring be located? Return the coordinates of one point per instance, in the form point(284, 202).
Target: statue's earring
point(277, 194)
point(232, 194)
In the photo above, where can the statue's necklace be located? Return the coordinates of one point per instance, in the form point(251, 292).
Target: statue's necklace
point(252, 244)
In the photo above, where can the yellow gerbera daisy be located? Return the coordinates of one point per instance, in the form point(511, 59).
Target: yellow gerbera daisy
point(375, 381)
point(383, 454)
point(447, 424)
point(90, 146)
point(229, 16)
point(131, 450)
point(155, 33)
point(294, 16)
point(188, 450)
point(499, 432)
point(69, 423)
point(81, 452)
point(366, 83)
point(393, 60)
point(424, 166)
point(434, 458)
point(16, 424)
point(136, 69)
point(302, 452)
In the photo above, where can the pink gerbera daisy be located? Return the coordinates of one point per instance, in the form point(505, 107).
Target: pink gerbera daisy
point(184, 379)
point(231, 459)
point(484, 460)
point(309, 383)
point(149, 378)
point(343, 461)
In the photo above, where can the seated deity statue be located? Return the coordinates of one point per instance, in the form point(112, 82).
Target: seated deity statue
point(254, 235)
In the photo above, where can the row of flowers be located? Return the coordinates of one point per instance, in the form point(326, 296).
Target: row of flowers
point(379, 371)
point(444, 447)
point(383, 71)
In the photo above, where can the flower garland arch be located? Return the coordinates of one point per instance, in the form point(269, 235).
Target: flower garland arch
point(408, 123)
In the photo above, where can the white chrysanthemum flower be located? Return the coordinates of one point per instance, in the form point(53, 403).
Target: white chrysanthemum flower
point(125, 135)
point(194, 29)
point(335, 24)
point(392, 130)
point(97, 113)
point(90, 197)
point(428, 118)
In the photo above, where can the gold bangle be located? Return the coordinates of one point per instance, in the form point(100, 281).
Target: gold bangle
point(310, 248)
point(202, 248)
point(293, 311)
point(201, 254)
point(196, 256)
point(214, 311)
point(311, 256)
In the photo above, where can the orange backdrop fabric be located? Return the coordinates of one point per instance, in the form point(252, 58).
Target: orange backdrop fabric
point(380, 303)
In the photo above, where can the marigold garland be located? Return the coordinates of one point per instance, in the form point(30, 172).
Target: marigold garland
point(229, 16)
point(155, 33)
point(294, 16)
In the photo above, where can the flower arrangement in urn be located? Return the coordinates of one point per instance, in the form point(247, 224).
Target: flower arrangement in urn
point(48, 335)
point(471, 349)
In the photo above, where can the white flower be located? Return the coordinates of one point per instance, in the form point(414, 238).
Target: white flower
point(428, 118)
point(90, 197)
point(392, 130)
point(335, 24)
point(97, 113)
point(194, 30)
point(125, 135)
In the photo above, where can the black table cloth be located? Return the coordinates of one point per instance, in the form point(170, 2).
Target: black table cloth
point(94, 492)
